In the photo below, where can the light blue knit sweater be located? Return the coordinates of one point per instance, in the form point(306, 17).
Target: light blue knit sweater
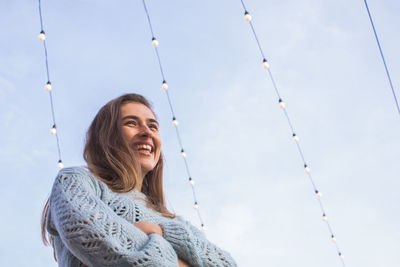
point(93, 225)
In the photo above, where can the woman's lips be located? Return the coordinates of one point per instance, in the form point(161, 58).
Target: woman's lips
point(144, 152)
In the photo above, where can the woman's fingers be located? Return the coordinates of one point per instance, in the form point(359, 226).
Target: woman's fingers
point(149, 228)
point(182, 263)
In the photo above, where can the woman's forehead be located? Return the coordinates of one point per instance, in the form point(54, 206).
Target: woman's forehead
point(137, 109)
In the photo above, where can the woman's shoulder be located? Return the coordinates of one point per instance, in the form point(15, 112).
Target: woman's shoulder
point(77, 174)
point(75, 170)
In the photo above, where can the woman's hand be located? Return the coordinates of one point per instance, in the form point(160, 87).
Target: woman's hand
point(152, 228)
point(149, 228)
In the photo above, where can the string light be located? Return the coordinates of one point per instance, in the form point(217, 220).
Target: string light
point(333, 238)
point(247, 16)
point(295, 138)
point(60, 165)
point(383, 58)
point(306, 168)
point(164, 86)
point(281, 103)
point(42, 36)
point(154, 42)
point(174, 121)
point(266, 65)
point(48, 87)
point(183, 154)
point(196, 206)
point(53, 130)
point(341, 255)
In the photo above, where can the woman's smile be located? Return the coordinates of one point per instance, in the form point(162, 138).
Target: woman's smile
point(144, 149)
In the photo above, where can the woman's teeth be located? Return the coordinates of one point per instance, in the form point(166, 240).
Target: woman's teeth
point(144, 147)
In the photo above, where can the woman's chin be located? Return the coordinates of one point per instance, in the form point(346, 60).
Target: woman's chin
point(146, 167)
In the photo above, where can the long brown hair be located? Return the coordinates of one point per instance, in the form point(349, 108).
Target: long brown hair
point(110, 158)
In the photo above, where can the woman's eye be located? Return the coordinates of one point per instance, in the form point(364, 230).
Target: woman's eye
point(155, 127)
point(131, 123)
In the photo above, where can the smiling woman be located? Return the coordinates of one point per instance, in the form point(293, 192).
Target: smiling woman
point(113, 212)
point(140, 130)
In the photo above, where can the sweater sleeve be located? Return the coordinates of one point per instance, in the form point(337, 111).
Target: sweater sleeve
point(94, 233)
point(192, 245)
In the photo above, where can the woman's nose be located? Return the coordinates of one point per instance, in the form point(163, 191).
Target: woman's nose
point(145, 131)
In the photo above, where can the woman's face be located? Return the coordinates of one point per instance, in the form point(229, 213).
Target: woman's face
point(140, 130)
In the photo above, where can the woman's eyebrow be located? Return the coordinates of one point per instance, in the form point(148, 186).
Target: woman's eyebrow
point(130, 117)
point(153, 120)
point(137, 118)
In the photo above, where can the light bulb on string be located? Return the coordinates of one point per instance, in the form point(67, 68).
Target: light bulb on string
point(48, 86)
point(295, 138)
point(183, 154)
point(53, 130)
point(164, 85)
point(196, 206)
point(191, 181)
point(154, 42)
point(203, 227)
point(306, 168)
point(281, 103)
point(333, 238)
point(341, 255)
point(42, 36)
point(60, 165)
point(174, 121)
point(265, 64)
point(247, 16)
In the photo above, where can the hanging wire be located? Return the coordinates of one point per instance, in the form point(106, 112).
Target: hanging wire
point(48, 86)
point(295, 137)
point(164, 86)
point(383, 58)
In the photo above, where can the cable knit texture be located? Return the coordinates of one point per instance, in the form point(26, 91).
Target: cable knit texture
point(95, 226)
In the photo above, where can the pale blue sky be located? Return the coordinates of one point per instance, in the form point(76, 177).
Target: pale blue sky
point(255, 199)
